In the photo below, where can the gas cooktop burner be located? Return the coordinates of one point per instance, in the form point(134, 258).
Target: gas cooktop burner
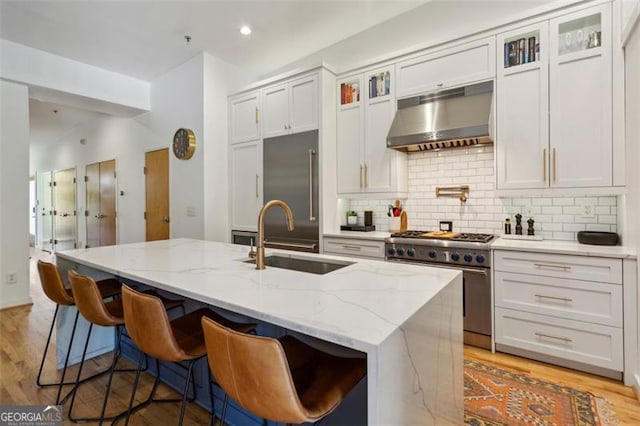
point(470, 237)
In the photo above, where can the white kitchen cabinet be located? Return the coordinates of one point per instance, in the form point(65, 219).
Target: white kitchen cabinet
point(365, 112)
point(580, 96)
point(244, 117)
point(566, 307)
point(454, 66)
point(290, 107)
point(246, 185)
point(356, 247)
point(523, 110)
point(554, 114)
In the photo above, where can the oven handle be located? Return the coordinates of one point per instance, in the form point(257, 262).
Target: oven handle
point(482, 271)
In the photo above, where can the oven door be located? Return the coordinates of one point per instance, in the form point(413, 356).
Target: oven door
point(476, 302)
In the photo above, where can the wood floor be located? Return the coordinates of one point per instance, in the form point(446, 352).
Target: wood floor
point(23, 333)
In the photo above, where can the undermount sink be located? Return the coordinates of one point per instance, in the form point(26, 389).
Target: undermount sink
point(303, 264)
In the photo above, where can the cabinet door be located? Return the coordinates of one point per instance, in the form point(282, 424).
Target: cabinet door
point(349, 136)
point(275, 111)
point(244, 117)
point(303, 104)
point(580, 99)
point(455, 66)
point(380, 174)
point(522, 140)
point(246, 185)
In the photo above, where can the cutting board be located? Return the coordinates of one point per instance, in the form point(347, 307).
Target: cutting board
point(445, 235)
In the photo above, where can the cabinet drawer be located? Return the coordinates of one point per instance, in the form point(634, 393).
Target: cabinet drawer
point(354, 247)
point(599, 303)
point(587, 268)
point(592, 344)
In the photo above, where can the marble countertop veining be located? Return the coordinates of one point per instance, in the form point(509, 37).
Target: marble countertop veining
point(565, 247)
point(357, 306)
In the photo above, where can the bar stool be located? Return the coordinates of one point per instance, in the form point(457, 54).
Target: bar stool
point(55, 290)
point(282, 380)
point(180, 340)
point(110, 314)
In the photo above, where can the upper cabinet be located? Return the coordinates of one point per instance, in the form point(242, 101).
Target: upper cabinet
point(244, 120)
point(580, 115)
point(554, 103)
point(290, 107)
point(462, 64)
point(366, 106)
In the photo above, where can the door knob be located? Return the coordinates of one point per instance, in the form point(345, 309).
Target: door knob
point(165, 219)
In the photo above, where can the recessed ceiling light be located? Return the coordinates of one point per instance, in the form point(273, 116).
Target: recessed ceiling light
point(245, 30)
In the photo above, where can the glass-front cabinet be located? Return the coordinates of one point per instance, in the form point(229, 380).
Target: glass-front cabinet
point(554, 103)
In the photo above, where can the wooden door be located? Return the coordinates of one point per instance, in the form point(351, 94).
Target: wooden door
point(46, 212)
point(92, 213)
point(64, 209)
point(157, 194)
point(108, 203)
point(100, 179)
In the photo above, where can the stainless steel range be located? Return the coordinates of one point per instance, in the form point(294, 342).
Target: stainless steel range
point(467, 252)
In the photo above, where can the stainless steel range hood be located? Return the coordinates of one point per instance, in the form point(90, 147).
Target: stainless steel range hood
point(446, 119)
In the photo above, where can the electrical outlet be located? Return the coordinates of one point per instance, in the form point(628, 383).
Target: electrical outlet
point(12, 277)
point(589, 210)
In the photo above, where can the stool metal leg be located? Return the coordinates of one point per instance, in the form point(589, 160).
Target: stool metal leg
point(75, 387)
point(135, 386)
point(186, 390)
point(66, 361)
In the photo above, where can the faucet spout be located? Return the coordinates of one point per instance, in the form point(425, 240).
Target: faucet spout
point(263, 211)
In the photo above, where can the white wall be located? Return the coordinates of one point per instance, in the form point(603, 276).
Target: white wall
point(40, 69)
point(632, 135)
point(122, 139)
point(557, 218)
point(177, 101)
point(14, 193)
point(220, 79)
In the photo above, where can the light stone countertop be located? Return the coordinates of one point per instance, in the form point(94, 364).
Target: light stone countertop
point(564, 247)
point(358, 306)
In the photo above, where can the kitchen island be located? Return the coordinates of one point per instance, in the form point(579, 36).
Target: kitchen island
point(406, 320)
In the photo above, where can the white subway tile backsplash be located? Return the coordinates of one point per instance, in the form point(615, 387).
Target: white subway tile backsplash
point(556, 217)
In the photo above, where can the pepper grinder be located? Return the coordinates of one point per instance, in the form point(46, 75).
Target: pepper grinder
point(530, 228)
point(518, 224)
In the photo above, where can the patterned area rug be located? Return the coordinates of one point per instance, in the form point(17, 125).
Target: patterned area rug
point(495, 397)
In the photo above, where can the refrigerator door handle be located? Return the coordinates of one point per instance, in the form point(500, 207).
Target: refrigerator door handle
point(312, 218)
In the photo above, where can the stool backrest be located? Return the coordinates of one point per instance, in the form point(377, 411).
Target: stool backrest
point(148, 325)
point(52, 284)
point(89, 301)
point(254, 371)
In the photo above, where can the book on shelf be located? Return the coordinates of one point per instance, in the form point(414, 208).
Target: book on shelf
point(521, 51)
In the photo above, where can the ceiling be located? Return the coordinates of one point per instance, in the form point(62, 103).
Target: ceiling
point(144, 39)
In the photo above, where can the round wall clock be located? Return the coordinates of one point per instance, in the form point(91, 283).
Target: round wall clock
point(184, 143)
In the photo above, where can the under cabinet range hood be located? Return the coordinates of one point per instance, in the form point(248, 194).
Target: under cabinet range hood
point(445, 119)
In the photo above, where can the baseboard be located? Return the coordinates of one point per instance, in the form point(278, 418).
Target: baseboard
point(15, 303)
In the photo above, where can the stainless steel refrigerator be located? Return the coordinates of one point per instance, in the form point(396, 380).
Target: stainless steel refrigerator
point(290, 169)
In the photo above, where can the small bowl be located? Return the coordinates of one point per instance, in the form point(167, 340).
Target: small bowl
point(598, 238)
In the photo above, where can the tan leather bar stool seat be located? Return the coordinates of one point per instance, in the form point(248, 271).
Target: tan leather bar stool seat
point(94, 309)
point(54, 288)
point(175, 341)
point(282, 380)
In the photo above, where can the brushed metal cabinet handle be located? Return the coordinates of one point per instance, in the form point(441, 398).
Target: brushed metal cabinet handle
point(564, 339)
point(555, 165)
point(257, 179)
point(544, 165)
point(366, 176)
point(551, 265)
point(350, 247)
point(361, 186)
point(312, 218)
point(564, 299)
